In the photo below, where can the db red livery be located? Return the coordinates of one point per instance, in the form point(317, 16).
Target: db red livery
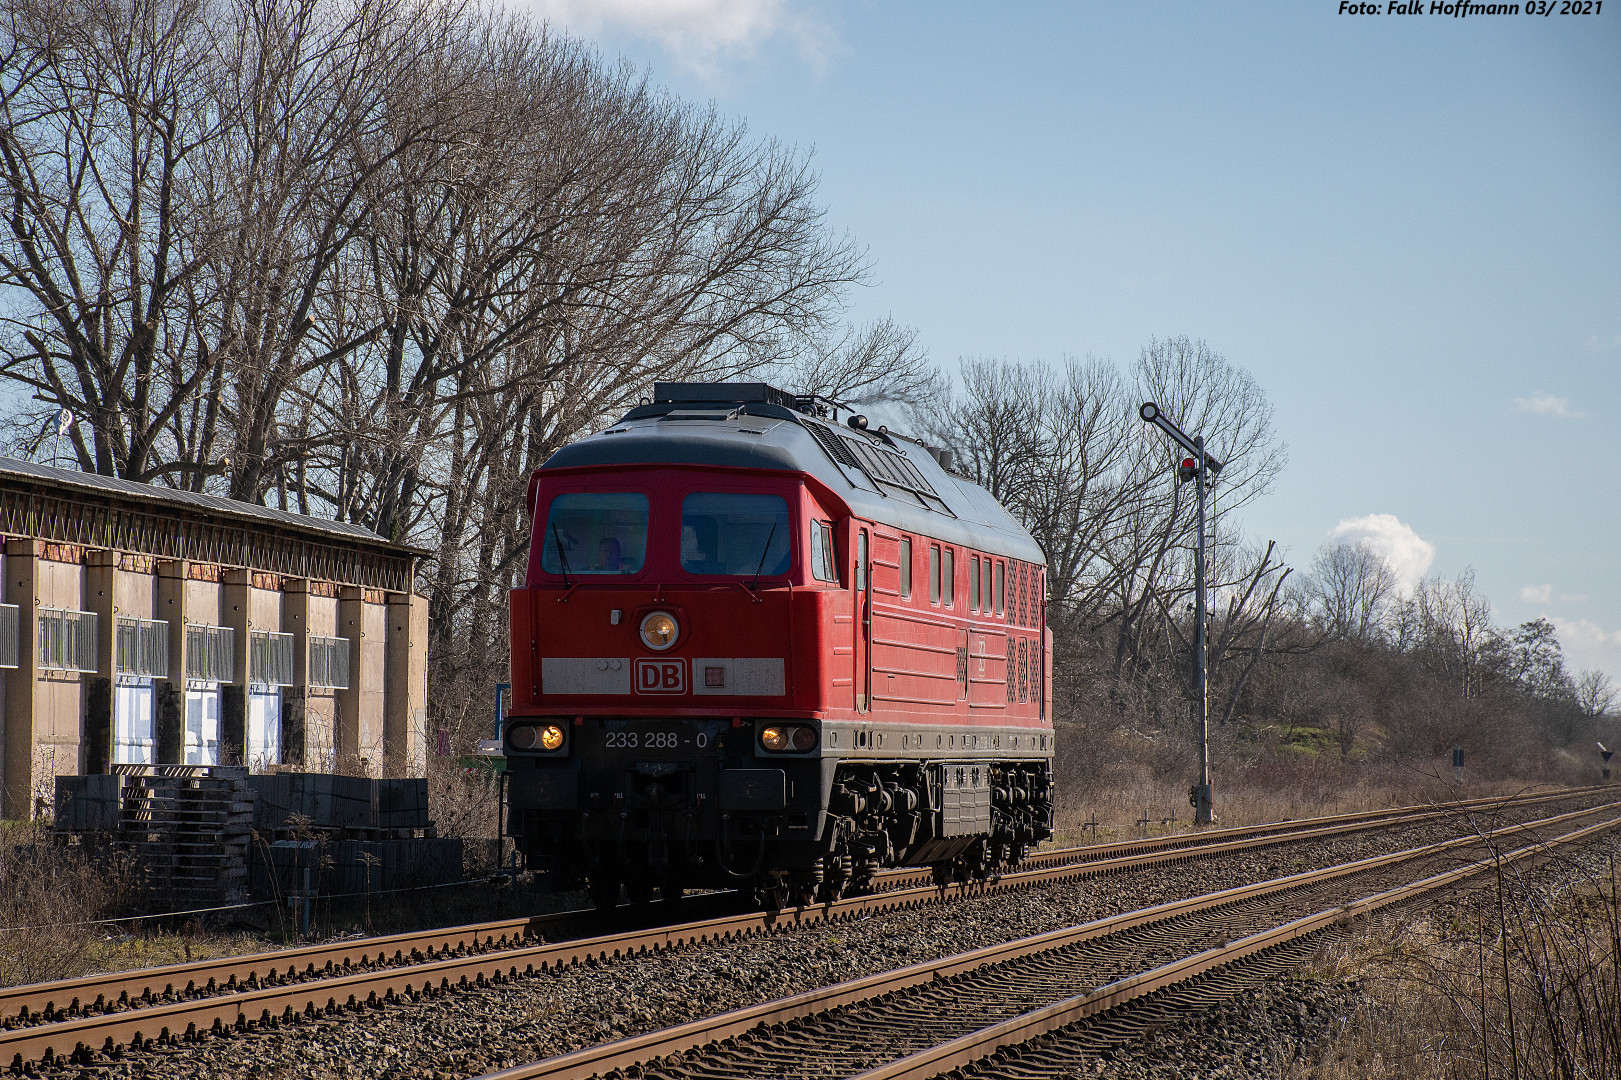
point(759, 648)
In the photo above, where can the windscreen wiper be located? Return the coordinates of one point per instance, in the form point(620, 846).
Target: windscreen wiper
point(770, 536)
point(562, 558)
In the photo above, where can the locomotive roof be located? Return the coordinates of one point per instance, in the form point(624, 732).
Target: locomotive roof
point(882, 476)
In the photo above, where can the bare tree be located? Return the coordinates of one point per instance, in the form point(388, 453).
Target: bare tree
point(1451, 633)
point(1594, 693)
point(102, 117)
point(876, 365)
point(1350, 589)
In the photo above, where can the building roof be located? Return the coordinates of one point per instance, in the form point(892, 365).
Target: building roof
point(194, 503)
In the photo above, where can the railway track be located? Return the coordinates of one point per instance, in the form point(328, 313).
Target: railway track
point(922, 1021)
point(75, 1018)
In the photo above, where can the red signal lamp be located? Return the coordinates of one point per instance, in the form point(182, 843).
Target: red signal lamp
point(1187, 470)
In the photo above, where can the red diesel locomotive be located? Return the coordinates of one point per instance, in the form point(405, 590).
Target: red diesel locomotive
point(755, 648)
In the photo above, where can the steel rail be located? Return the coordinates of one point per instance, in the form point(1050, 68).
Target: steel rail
point(252, 1001)
point(232, 973)
point(642, 1049)
point(1021, 1029)
point(1160, 842)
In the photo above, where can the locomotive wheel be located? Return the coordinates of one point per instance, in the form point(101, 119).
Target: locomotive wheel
point(639, 891)
point(604, 891)
point(671, 890)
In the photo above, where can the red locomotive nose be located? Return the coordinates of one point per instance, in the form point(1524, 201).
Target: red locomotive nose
point(775, 651)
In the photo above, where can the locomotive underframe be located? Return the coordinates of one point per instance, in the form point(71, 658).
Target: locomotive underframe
point(683, 802)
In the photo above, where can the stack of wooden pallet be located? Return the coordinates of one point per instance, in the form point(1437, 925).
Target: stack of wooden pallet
point(189, 827)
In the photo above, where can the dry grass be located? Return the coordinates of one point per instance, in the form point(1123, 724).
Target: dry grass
point(1519, 983)
point(1268, 791)
point(50, 896)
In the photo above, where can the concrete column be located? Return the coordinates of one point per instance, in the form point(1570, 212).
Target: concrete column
point(17, 790)
point(295, 620)
point(234, 586)
point(405, 703)
point(100, 593)
point(170, 693)
point(346, 724)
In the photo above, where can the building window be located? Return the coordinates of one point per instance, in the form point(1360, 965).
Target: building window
point(973, 583)
point(202, 734)
point(210, 656)
point(1001, 587)
point(9, 653)
point(329, 662)
point(143, 647)
point(934, 573)
point(906, 566)
point(67, 640)
point(270, 658)
point(264, 728)
point(134, 737)
point(823, 568)
point(949, 578)
point(8, 646)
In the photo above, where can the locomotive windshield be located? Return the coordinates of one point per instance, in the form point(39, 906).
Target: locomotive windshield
point(598, 532)
point(735, 535)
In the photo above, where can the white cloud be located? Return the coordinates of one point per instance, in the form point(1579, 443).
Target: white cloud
point(1596, 343)
point(1544, 594)
point(1586, 644)
point(697, 34)
point(1404, 551)
point(1546, 405)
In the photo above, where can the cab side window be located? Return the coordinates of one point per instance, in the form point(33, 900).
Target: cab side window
point(822, 566)
point(906, 566)
point(934, 573)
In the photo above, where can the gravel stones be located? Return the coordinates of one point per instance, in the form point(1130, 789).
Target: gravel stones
point(469, 1032)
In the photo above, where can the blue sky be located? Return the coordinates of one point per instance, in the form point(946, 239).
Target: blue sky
point(1408, 228)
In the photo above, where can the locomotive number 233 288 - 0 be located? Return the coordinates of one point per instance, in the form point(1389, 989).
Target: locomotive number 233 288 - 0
point(650, 740)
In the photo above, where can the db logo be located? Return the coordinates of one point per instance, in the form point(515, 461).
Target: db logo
point(661, 676)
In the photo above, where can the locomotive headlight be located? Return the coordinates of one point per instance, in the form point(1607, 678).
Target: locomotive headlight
point(776, 738)
point(803, 738)
point(659, 630)
point(537, 737)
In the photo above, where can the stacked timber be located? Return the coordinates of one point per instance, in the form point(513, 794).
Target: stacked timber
point(290, 806)
point(189, 827)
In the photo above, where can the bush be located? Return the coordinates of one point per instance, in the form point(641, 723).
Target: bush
point(50, 896)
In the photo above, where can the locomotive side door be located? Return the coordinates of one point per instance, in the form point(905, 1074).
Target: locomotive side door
point(863, 622)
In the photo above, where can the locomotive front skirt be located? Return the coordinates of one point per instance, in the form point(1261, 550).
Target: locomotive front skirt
point(759, 648)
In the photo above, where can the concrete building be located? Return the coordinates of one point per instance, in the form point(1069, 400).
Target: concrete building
point(143, 625)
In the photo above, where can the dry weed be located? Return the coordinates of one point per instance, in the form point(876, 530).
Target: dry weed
point(50, 895)
point(1526, 983)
